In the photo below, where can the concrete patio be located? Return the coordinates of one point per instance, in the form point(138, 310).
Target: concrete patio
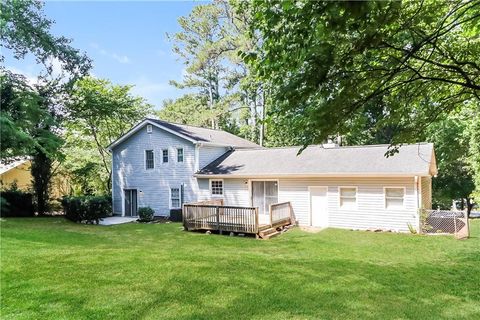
point(110, 221)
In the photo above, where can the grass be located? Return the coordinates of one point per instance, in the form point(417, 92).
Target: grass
point(54, 269)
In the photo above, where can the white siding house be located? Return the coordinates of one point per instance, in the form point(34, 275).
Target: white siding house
point(342, 187)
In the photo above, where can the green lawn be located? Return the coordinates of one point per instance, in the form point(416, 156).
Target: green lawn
point(54, 269)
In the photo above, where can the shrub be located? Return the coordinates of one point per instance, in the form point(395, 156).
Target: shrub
point(87, 208)
point(16, 203)
point(145, 214)
point(176, 215)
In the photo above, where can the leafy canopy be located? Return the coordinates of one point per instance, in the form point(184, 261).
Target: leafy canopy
point(324, 62)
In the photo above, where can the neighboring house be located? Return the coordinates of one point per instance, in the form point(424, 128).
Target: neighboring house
point(17, 172)
point(163, 165)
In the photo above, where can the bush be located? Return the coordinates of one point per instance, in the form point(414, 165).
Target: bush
point(87, 208)
point(176, 215)
point(145, 214)
point(16, 203)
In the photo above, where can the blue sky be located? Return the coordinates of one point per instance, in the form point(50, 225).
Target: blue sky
point(126, 40)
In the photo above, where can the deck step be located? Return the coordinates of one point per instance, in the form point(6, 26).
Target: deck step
point(270, 235)
point(266, 233)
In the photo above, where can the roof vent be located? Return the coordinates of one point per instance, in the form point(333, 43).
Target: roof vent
point(149, 128)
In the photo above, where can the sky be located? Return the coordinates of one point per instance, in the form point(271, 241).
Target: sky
point(126, 40)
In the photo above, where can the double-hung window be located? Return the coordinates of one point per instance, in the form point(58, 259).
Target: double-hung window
point(165, 155)
point(394, 197)
point(180, 155)
point(174, 198)
point(149, 159)
point(348, 197)
point(216, 188)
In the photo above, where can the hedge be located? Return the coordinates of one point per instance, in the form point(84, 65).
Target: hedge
point(145, 214)
point(15, 203)
point(88, 209)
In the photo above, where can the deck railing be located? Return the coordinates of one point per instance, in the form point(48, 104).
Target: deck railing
point(281, 213)
point(201, 216)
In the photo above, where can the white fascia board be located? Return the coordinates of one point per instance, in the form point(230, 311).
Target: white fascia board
point(326, 175)
point(141, 125)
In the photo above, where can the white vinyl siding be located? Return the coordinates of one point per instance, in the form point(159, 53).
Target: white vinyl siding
point(208, 154)
point(128, 171)
point(370, 211)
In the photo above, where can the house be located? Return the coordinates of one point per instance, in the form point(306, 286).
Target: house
point(164, 165)
point(16, 172)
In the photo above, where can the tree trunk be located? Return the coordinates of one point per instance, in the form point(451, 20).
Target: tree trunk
point(41, 170)
point(469, 206)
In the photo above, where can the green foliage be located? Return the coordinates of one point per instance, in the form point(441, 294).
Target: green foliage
point(145, 214)
point(25, 118)
point(452, 145)
point(87, 209)
point(25, 29)
point(189, 109)
point(326, 62)
point(226, 95)
point(98, 113)
point(16, 203)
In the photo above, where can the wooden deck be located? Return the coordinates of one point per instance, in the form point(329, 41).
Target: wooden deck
point(213, 215)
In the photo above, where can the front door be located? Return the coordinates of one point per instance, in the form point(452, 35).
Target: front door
point(130, 208)
point(264, 193)
point(318, 206)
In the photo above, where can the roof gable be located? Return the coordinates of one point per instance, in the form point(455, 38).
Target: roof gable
point(196, 135)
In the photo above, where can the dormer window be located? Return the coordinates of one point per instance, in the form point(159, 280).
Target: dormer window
point(149, 128)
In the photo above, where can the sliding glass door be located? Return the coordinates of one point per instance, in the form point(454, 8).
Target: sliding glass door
point(264, 193)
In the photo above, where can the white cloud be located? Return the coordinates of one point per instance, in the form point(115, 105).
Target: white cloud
point(154, 92)
point(115, 56)
point(30, 77)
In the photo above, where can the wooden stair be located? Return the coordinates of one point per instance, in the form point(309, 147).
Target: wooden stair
point(268, 233)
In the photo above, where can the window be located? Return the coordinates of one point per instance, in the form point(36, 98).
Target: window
point(149, 128)
point(175, 198)
point(216, 187)
point(149, 159)
point(394, 198)
point(180, 155)
point(165, 155)
point(348, 197)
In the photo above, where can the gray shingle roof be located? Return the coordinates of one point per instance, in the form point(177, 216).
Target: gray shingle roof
point(415, 159)
point(200, 134)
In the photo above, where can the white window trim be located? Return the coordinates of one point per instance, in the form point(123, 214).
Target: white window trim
point(385, 197)
point(210, 187)
point(170, 197)
point(145, 159)
point(168, 156)
point(340, 197)
point(183, 154)
point(149, 128)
